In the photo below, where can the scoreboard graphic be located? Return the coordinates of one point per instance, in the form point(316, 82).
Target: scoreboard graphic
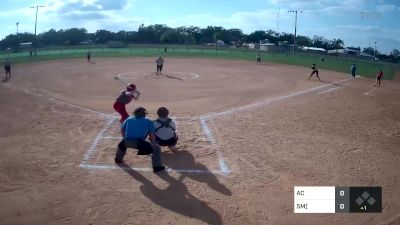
point(331, 199)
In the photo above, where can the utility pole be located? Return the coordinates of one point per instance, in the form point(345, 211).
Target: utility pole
point(37, 9)
point(295, 28)
point(17, 27)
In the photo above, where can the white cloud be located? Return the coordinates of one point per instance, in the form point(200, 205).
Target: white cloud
point(248, 21)
point(62, 14)
point(363, 36)
point(321, 6)
point(386, 8)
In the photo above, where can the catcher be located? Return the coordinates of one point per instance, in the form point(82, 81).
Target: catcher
point(125, 97)
point(165, 129)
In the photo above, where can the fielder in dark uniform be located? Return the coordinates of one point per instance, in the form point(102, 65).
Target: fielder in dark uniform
point(7, 68)
point(88, 56)
point(379, 77)
point(353, 70)
point(314, 70)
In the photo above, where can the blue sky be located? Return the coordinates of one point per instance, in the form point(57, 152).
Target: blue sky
point(357, 22)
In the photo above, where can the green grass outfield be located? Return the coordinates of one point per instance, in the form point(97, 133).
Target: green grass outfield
point(364, 68)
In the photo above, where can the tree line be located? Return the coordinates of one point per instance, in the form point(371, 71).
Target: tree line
point(162, 34)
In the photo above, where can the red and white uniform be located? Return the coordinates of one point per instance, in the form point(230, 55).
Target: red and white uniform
point(379, 75)
point(124, 98)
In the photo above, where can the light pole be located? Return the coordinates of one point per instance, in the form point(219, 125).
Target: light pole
point(37, 9)
point(295, 28)
point(375, 51)
point(17, 27)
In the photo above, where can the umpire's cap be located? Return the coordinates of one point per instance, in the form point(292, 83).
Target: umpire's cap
point(162, 112)
point(140, 112)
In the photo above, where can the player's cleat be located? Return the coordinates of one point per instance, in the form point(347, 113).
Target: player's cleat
point(158, 169)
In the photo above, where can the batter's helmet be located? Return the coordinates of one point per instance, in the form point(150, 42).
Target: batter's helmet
point(131, 87)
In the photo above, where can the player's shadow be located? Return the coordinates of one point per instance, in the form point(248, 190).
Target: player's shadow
point(175, 197)
point(173, 77)
point(5, 80)
point(184, 160)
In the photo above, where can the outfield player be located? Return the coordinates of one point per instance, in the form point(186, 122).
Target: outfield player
point(125, 97)
point(88, 56)
point(134, 134)
point(159, 63)
point(7, 68)
point(258, 58)
point(314, 70)
point(166, 134)
point(379, 77)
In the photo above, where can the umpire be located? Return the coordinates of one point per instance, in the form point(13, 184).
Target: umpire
point(134, 132)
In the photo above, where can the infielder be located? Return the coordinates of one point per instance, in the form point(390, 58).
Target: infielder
point(125, 97)
point(353, 70)
point(314, 70)
point(88, 56)
point(379, 77)
point(159, 63)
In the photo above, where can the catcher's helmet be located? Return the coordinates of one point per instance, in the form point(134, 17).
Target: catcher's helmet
point(162, 112)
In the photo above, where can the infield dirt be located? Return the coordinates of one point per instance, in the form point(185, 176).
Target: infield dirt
point(334, 136)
